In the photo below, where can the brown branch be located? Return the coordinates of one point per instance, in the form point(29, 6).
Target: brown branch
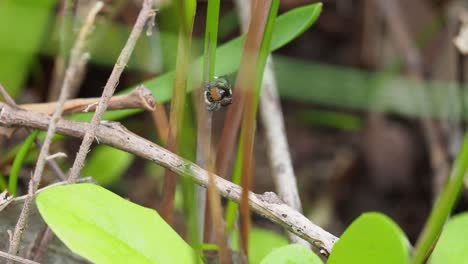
point(140, 97)
point(109, 89)
point(78, 55)
point(115, 135)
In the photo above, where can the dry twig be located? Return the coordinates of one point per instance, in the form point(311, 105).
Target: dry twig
point(78, 55)
point(140, 97)
point(267, 205)
point(145, 13)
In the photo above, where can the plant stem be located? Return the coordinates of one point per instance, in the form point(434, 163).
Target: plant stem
point(145, 13)
point(442, 207)
point(176, 118)
point(18, 162)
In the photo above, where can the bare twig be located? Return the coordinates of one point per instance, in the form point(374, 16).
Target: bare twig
point(77, 55)
point(145, 13)
point(140, 97)
point(12, 258)
point(278, 150)
point(273, 122)
point(115, 135)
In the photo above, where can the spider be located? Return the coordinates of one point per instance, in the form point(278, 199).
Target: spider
point(218, 93)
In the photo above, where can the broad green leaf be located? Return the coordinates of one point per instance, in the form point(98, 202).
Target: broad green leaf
point(22, 26)
point(105, 228)
point(452, 246)
point(286, 28)
point(106, 164)
point(291, 254)
point(371, 238)
point(261, 243)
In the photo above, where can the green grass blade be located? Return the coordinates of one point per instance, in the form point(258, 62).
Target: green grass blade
point(18, 162)
point(211, 39)
point(442, 207)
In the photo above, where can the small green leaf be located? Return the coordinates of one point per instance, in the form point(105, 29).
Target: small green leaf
point(291, 254)
point(105, 228)
point(452, 246)
point(261, 243)
point(371, 238)
point(292, 24)
point(106, 164)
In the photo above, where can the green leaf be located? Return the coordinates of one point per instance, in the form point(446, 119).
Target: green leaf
point(452, 246)
point(261, 243)
point(286, 28)
point(291, 254)
point(371, 238)
point(105, 228)
point(106, 164)
point(292, 24)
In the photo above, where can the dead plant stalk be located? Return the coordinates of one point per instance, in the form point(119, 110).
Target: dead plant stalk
point(77, 56)
point(109, 89)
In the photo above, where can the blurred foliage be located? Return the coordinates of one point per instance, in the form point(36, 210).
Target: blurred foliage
point(360, 90)
point(330, 119)
point(22, 26)
point(107, 164)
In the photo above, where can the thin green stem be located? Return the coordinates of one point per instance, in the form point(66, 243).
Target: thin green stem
point(442, 207)
point(18, 162)
point(211, 39)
